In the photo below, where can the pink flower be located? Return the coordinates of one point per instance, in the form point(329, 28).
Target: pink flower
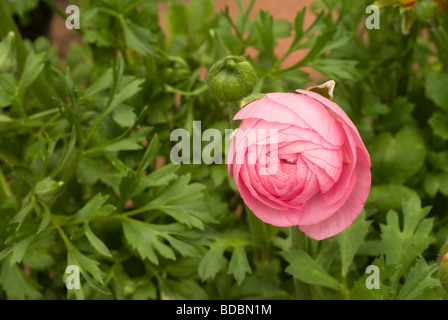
point(306, 164)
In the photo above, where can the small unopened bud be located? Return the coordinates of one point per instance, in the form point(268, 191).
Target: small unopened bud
point(48, 189)
point(443, 266)
point(231, 79)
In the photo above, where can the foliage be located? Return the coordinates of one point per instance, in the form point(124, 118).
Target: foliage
point(85, 145)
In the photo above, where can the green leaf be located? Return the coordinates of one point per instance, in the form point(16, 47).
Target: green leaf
point(390, 196)
point(265, 28)
point(46, 219)
point(38, 253)
point(145, 292)
point(212, 262)
point(183, 201)
point(91, 209)
point(150, 154)
point(147, 239)
point(138, 38)
point(161, 177)
point(397, 158)
point(431, 184)
point(403, 245)
point(300, 34)
point(6, 98)
point(21, 215)
point(239, 266)
point(218, 174)
point(17, 285)
point(282, 28)
point(360, 291)
point(337, 69)
point(306, 269)
point(435, 88)
point(87, 266)
point(7, 52)
point(350, 239)
point(96, 243)
point(418, 280)
point(131, 143)
point(20, 248)
point(439, 124)
point(180, 189)
point(90, 170)
point(34, 65)
point(102, 83)
point(126, 92)
point(124, 116)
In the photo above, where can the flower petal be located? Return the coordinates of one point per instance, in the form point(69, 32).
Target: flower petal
point(345, 216)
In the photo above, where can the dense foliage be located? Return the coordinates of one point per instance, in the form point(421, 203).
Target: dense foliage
point(86, 177)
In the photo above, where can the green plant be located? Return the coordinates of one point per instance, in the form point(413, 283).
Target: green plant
point(85, 177)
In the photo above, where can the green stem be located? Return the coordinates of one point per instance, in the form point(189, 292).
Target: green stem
point(233, 108)
point(300, 241)
point(257, 227)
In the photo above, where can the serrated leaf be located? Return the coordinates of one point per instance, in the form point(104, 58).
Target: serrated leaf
point(138, 38)
point(418, 280)
point(90, 170)
point(350, 239)
point(86, 266)
point(17, 285)
point(126, 92)
point(96, 243)
point(21, 215)
point(183, 201)
point(34, 65)
point(124, 116)
point(147, 239)
point(306, 269)
point(212, 262)
point(91, 209)
point(131, 143)
point(360, 291)
point(181, 188)
point(161, 177)
point(403, 245)
point(239, 266)
point(102, 83)
point(20, 248)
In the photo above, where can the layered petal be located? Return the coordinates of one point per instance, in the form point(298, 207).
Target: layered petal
point(298, 159)
point(351, 208)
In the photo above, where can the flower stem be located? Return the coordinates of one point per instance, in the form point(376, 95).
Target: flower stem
point(300, 241)
point(233, 108)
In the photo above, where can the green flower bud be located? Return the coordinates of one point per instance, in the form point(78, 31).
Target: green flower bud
point(231, 79)
point(48, 189)
point(443, 266)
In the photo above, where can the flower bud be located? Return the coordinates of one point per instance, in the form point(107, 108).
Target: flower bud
point(231, 79)
point(443, 266)
point(47, 189)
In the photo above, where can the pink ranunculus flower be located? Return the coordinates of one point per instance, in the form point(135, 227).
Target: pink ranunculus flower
point(306, 166)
